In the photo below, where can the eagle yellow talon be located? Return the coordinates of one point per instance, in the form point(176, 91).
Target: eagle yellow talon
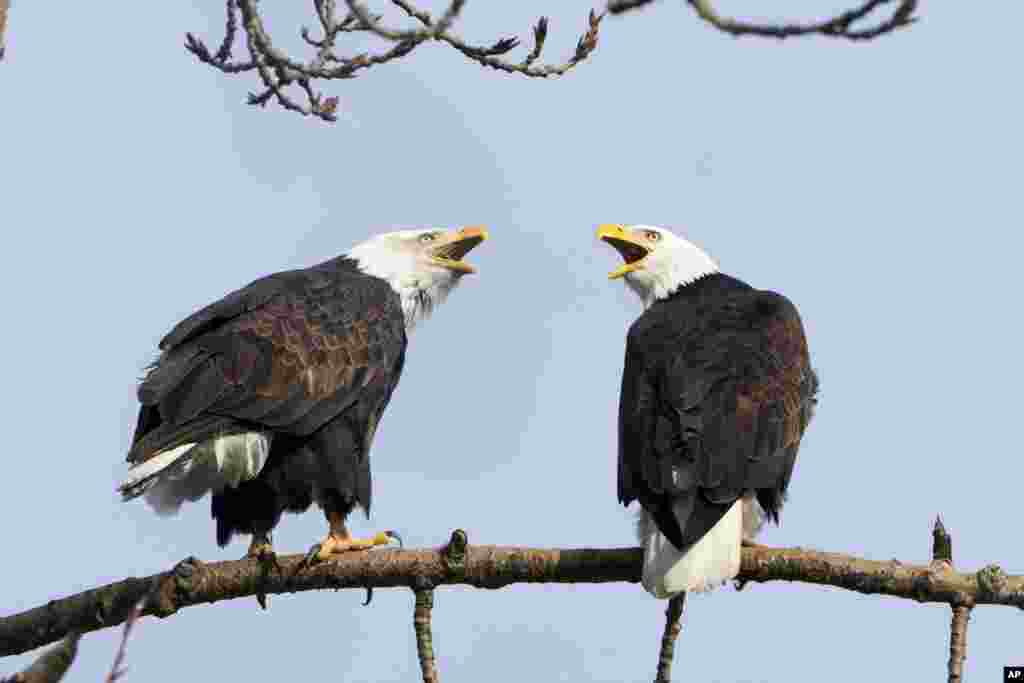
point(339, 540)
point(259, 550)
point(333, 545)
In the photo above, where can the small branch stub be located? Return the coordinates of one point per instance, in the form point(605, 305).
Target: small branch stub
point(455, 554)
point(942, 543)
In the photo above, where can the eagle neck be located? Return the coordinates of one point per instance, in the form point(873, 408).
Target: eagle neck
point(420, 299)
point(658, 286)
point(709, 285)
point(419, 292)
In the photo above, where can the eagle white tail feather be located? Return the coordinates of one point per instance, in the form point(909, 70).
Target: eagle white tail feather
point(189, 471)
point(710, 562)
point(137, 474)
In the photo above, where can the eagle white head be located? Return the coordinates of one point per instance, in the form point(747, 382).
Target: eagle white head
point(422, 266)
point(657, 261)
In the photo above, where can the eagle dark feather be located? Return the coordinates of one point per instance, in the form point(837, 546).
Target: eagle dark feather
point(717, 391)
point(307, 358)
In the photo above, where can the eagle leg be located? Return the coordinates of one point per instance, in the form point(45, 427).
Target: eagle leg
point(261, 548)
point(339, 540)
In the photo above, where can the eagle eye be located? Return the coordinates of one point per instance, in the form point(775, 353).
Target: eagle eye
point(653, 235)
point(428, 237)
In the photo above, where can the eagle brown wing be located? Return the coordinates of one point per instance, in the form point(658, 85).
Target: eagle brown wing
point(288, 354)
point(715, 398)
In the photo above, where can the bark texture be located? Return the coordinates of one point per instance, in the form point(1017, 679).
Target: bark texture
point(192, 582)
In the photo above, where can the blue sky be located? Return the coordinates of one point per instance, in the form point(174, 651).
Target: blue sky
point(875, 185)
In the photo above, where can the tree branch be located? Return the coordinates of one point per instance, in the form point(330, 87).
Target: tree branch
point(487, 56)
point(958, 643)
point(118, 669)
point(192, 582)
point(4, 6)
point(673, 613)
point(278, 70)
point(51, 666)
point(942, 560)
point(839, 26)
point(424, 635)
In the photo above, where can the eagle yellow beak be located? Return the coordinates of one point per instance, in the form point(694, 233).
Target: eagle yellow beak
point(632, 248)
point(450, 249)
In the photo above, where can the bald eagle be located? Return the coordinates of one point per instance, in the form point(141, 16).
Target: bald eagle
point(717, 390)
point(269, 398)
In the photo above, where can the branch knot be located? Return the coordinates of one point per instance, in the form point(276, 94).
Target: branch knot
point(992, 580)
point(454, 555)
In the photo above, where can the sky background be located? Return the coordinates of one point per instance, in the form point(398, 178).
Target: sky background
point(876, 185)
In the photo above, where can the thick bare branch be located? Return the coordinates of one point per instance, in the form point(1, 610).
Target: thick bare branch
point(673, 614)
point(839, 26)
point(278, 70)
point(193, 582)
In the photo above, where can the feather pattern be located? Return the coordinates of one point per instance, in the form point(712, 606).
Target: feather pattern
point(717, 391)
point(249, 382)
point(195, 470)
point(707, 564)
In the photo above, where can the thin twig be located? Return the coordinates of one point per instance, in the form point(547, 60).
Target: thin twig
point(673, 625)
point(487, 55)
point(424, 635)
point(118, 669)
point(839, 26)
point(420, 15)
point(623, 6)
point(430, 30)
point(279, 71)
point(220, 60)
point(540, 34)
point(584, 47)
point(4, 6)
